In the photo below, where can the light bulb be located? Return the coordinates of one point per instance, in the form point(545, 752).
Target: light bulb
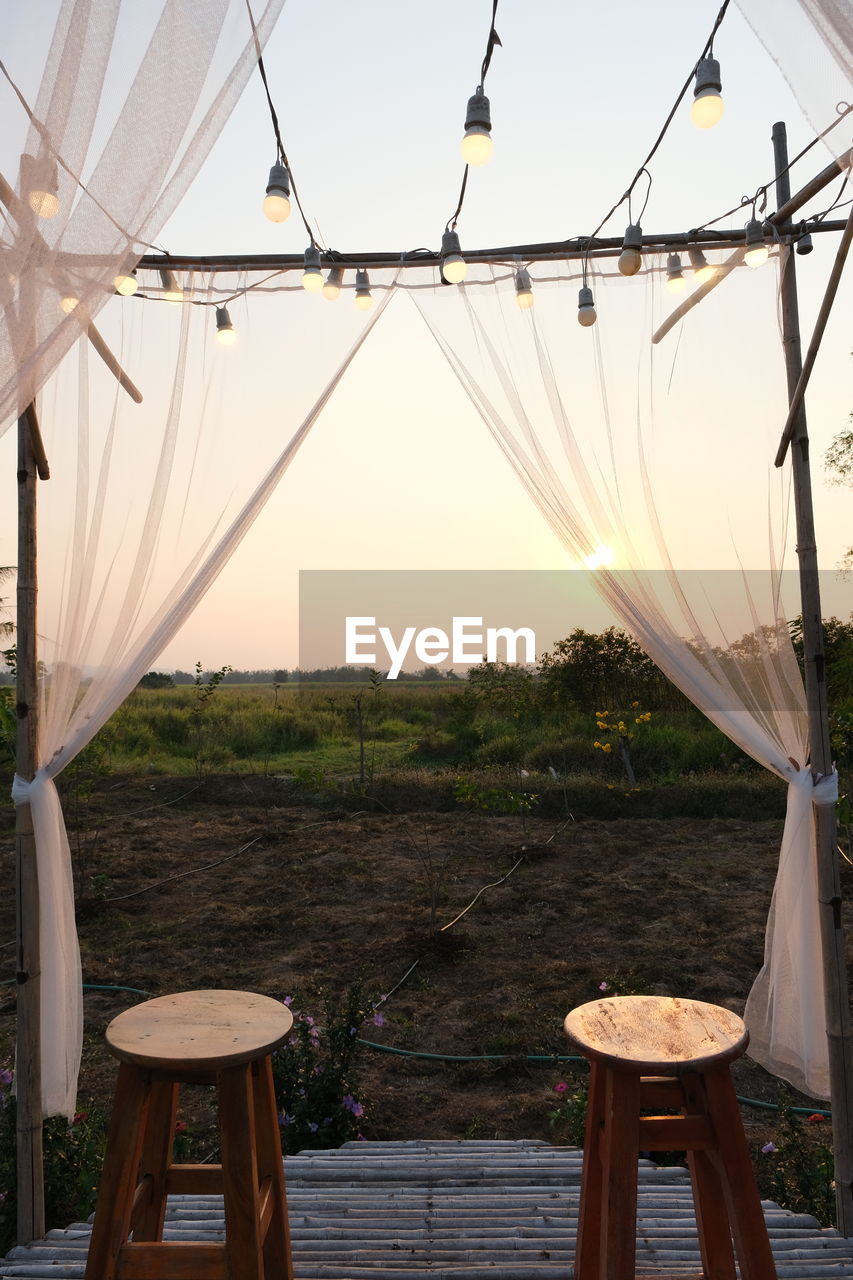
point(332, 287)
point(126, 285)
point(757, 252)
point(477, 143)
point(804, 242)
point(225, 334)
point(702, 269)
point(707, 106)
point(675, 281)
point(630, 258)
point(68, 303)
point(172, 291)
point(312, 276)
point(40, 181)
point(523, 289)
point(587, 313)
point(277, 200)
point(454, 268)
point(363, 296)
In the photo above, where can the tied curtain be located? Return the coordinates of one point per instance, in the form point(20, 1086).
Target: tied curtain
point(664, 479)
point(145, 505)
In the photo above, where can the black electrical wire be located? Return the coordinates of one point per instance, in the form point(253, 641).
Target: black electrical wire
point(493, 39)
point(281, 153)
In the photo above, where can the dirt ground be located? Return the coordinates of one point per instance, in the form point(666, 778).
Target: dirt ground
point(305, 899)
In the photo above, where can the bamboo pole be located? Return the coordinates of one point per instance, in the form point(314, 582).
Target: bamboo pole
point(30, 1182)
point(829, 884)
point(817, 338)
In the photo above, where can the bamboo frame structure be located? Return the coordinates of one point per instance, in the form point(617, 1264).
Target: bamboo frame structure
point(30, 1217)
point(829, 885)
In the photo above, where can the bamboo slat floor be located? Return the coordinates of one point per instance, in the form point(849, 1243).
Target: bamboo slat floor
point(392, 1211)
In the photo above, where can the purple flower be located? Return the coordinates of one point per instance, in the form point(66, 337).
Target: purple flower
point(378, 1020)
point(353, 1031)
point(352, 1105)
point(768, 1147)
point(604, 986)
point(6, 1076)
point(288, 1000)
point(313, 1127)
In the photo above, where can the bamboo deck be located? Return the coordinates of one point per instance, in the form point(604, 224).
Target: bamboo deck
point(394, 1211)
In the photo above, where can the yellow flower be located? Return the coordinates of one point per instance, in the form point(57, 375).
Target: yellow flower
point(602, 724)
point(607, 747)
point(635, 704)
point(596, 743)
point(602, 714)
point(623, 728)
point(640, 720)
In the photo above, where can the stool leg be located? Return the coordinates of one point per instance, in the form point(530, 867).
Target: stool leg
point(119, 1173)
point(243, 1243)
point(619, 1157)
point(739, 1186)
point(589, 1241)
point(712, 1221)
point(278, 1263)
point(157, 1150)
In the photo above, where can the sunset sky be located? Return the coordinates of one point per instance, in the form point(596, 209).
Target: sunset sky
point(399, 472)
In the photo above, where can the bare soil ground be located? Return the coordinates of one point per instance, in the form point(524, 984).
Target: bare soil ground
point(319, 898)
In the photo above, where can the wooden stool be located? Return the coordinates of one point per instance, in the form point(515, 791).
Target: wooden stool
point(221, 1038)
point(657, 1053)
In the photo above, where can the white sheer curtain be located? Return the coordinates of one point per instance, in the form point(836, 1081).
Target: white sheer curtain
point(812, 44)
point(144, 507)
point(100, 141)
point(620, 461)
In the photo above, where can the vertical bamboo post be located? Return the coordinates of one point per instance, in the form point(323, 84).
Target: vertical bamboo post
point(30, 1189)
point(829, 884)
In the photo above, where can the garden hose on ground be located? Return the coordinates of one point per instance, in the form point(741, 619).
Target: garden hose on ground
point(478, 1057)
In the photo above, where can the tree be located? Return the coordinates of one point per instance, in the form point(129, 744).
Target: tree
point(156, 680)
point(838, 461)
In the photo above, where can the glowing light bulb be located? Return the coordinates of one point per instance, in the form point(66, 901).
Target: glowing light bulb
point(69, 303)
point(587, 314)
point(702, 269)
point(675, 281)
point(363, 296)
point(40, 182)
point(523, 289)
point(477, 143)
point(707, 106)
point(454, 268)
point(225, 334)
point(43, 203)
point(312, 276)
point(332, 287)
point(126, 285)
point(172, 291)
point(276, 204)
point(757, 252)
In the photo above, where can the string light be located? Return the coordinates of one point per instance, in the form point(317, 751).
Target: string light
point(454, 268)
point(172, 291)
point(40, 179)
point(332, 287)
point(756, 253)
point(587, 313)
point(804, 241)
point(523, 289)
point(630, 258)
point(126, 285)
point(675, 281)
point(702, 269)
point(69, 303)
point(276, 204)
point(225, 334)
point(477, 145)
point(312, 276)
point(707, 106)
point(363, 296)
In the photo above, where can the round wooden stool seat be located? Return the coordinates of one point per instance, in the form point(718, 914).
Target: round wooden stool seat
point(659, 1081)
point(199, 1030)
point(224, 1039)
point(658, 1035)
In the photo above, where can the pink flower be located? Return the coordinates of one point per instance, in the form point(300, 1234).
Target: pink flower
point(562, 1087)
point(604, 986)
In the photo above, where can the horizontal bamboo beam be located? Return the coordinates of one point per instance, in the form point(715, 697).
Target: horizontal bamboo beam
point(578, 248)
